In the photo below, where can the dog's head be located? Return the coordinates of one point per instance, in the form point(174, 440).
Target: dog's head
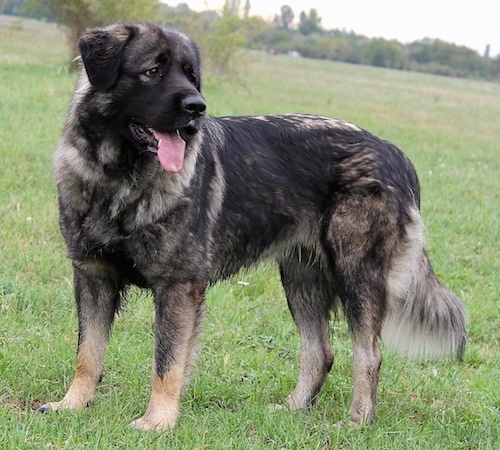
point(149, 79)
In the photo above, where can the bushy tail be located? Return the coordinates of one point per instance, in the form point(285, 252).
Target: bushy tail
point(427, 320)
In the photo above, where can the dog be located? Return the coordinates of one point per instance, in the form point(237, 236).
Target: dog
point(155, 192)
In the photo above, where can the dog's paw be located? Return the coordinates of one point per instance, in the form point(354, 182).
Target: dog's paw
point(148, 423)
point(277, 407)
point(53, 406)
point(63, 405)
point(45, 409)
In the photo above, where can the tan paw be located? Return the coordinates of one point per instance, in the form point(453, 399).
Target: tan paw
point(64, 404)
point(151, 423)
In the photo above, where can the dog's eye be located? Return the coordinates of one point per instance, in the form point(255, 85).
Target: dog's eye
point(190, 74)
point(153, 72)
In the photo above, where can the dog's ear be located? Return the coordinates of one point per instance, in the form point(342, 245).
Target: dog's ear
point(101, 51)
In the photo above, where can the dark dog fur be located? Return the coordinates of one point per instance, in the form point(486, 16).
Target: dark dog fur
point(336, 207)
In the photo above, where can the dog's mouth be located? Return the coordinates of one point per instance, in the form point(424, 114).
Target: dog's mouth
point(168, 145)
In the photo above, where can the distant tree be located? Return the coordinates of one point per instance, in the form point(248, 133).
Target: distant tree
point(21, 8)
point(246, 10)
point(278, 39)
point(444, 58)
point(382, 53)
point(232, 7)
point(222, 46)
point(255, 29)
point(286, 18)
point(495, 68)
point(78, 15)
point(309, 23)
point(487, 51)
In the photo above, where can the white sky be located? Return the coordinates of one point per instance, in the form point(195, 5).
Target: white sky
point(473, 23)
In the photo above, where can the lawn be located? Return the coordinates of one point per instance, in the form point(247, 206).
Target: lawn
point(249, 351)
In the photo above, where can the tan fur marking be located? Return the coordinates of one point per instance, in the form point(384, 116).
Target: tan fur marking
point(88, 370)
point(163, 407)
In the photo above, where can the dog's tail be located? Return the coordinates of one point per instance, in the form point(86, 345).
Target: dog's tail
point(424, 319)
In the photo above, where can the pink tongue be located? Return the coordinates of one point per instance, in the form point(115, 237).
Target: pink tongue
point(170, 151)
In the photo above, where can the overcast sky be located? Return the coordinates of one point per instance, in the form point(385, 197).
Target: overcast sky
point(473, 23)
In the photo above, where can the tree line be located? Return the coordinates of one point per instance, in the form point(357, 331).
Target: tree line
point(308, 38)
point(425, 55)
point(222, 33)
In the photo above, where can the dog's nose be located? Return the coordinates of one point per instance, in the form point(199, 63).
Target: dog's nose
point(194, 105)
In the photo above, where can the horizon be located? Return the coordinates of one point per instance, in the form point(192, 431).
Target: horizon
point(392, 19)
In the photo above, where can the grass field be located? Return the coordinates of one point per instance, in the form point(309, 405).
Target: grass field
point(249, 351)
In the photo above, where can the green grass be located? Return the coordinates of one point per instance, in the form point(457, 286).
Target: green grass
point(249, 351)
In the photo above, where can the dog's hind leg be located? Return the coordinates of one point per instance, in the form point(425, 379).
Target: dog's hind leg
point(362, 235)
point(365, 330)
point(310, 299)
point(97, 293)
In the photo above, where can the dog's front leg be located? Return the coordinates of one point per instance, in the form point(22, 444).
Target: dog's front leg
point(179, 313)
point(97, 294)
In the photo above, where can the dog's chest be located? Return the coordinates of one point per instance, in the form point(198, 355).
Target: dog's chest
point(114, 213)
point(129, 207)
point(124, 202)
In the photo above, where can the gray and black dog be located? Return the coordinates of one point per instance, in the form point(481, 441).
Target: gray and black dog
point(156, 193)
